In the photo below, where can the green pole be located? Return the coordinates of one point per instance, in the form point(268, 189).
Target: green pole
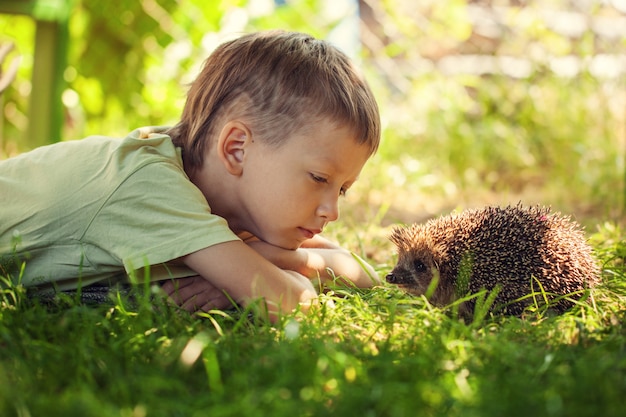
point(45, 105)
point(45, 113)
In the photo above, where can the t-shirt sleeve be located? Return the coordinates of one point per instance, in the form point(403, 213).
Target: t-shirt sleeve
point(155, 216)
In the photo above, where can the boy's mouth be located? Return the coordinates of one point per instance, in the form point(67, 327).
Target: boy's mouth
point(309, 233)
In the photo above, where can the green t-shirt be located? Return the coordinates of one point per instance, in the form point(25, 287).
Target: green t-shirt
point(79, 212)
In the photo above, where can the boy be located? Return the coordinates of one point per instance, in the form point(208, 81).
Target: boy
point(275, 129)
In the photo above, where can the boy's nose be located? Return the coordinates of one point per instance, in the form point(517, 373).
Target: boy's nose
point(329, 209)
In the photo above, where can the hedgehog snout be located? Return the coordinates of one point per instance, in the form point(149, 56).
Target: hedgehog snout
point(410, 270)
point(392, 278)
point(399, 276)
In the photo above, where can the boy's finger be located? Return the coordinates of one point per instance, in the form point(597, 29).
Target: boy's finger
point(173, 285)
point(205, 301)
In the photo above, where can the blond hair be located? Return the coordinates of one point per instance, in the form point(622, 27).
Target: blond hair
point(280, 82)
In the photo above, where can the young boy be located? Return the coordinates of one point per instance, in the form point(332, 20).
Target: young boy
point(231, 200)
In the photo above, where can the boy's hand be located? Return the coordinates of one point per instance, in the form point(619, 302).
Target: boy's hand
point(195, 294)
point(315, 257)
point(247, 277)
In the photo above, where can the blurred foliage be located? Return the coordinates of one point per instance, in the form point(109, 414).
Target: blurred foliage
point(129, 60)
point(497, 102)
point(482, 101)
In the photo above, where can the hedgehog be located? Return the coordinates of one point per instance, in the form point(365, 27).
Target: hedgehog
point(528, 255)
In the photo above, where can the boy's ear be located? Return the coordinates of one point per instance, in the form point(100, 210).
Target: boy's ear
point(231, 146)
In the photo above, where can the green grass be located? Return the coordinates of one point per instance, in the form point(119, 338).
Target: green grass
point(448, 142)
point(377, 353)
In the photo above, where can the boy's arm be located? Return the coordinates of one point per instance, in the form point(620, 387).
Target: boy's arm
point(316, 256)
point(245, 276)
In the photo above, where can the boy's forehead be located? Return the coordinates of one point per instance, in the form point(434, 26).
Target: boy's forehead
point(345, 154)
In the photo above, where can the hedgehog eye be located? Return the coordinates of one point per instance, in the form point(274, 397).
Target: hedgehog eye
point(419, 266)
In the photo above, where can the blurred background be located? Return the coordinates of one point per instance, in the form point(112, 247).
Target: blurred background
point(483, 102)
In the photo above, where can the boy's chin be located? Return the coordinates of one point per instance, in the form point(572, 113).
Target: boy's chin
point(279, 243)
point(274, 240)
point(288, 246)
point(284, 243)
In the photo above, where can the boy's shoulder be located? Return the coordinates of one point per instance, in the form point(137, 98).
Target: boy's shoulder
point(96, 160)
point(141, 146)
point(150, 137)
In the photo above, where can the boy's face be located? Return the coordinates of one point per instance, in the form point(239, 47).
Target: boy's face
point(289, 193)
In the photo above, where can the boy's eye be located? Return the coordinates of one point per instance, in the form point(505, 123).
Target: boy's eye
point(319, 179)
point(323, 180)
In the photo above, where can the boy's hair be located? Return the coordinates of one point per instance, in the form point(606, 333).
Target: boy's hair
point(278, 82)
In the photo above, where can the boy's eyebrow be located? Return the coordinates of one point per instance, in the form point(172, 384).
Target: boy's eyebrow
point(332, 163)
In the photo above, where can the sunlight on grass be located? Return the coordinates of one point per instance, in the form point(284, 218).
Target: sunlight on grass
point(377, 352)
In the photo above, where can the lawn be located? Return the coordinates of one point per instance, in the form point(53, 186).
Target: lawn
point(377, 353)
